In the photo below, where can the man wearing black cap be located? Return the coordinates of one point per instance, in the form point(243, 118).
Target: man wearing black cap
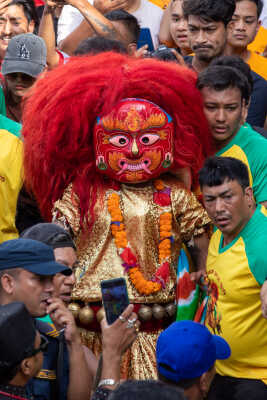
point(21, 348)
point(26, 271)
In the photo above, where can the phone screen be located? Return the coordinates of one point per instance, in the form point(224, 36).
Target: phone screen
point(114, 298)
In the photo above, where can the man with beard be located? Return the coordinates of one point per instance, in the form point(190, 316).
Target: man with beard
point(207, 24)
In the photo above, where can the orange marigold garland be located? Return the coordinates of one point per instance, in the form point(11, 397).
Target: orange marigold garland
point(142, 285)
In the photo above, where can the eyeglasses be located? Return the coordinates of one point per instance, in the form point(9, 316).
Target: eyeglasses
point(42, 347)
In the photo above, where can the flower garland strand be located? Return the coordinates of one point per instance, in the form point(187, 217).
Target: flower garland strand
point(142, 285)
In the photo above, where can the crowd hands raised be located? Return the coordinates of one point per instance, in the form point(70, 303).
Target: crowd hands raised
point(47, 361)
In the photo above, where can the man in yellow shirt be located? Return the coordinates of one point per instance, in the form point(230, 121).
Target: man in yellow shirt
point(236, 272)
point(10, 176)
point(241, 32)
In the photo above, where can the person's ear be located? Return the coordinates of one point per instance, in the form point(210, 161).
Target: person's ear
point(8, 283)
point(31, 26)
point(258, 26)
point(131, 48)
point(249, 196)
point(244, 111)
point(26, 366)
point(205, 381)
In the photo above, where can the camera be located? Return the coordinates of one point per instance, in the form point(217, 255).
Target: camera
point(162, 53)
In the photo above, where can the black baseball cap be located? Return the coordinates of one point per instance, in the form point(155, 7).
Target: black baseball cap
point(31, 255)
point(51, 234)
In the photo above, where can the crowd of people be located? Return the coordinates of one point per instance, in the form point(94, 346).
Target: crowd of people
point(133, 144)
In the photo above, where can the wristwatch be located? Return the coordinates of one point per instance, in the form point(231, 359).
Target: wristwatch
point(107, 382)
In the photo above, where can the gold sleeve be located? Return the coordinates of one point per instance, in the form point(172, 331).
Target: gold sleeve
point(66, 211)
point(190, 214)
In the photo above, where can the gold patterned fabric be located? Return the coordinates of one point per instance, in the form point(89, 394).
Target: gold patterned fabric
point(98, 257)
point(138, 362)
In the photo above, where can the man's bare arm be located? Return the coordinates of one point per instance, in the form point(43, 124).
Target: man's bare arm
point(199, 251)
point(94, 23)
point(4, 5)
point(47, 32)
point(164, 32)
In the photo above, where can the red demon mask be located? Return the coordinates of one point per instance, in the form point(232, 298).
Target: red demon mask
point(133, 143)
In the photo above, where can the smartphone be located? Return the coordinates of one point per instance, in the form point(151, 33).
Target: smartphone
point(145, 38)
point(114, 297)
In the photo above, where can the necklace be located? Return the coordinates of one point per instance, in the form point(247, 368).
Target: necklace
point(161, 197)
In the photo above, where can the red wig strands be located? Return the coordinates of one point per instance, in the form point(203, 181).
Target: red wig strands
point(62, 109)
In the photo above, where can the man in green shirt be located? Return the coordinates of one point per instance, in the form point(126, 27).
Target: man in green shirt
point(226, 93)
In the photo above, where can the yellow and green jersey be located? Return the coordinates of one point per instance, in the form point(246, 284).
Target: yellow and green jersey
point(236, 273)
point(251, 148)
point(10, 176)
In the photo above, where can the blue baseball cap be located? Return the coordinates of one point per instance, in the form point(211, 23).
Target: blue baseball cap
point(187, 349)
point(31, 255)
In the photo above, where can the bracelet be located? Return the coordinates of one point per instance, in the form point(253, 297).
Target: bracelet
point(107, 382)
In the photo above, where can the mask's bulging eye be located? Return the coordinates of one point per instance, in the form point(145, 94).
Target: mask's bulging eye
point(119, 140)
point(148, 139)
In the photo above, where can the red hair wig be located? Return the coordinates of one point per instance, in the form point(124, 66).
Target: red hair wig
point(62, 108)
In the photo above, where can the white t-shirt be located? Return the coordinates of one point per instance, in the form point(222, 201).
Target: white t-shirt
point(263, 16)
point(148, 15)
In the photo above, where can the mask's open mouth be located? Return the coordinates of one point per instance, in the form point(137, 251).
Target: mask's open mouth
point(142, 165)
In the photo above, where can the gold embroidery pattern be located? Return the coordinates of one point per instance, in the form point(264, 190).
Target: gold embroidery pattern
point(47, 374)
point(133, 122)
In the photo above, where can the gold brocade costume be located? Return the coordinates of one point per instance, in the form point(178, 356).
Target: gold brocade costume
point(98, 257)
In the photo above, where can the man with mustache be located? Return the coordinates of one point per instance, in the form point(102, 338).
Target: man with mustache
point(207, 24)
point(236, 279)
point(226, 93)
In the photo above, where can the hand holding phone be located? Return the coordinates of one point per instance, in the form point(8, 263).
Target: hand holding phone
point(114, 297)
